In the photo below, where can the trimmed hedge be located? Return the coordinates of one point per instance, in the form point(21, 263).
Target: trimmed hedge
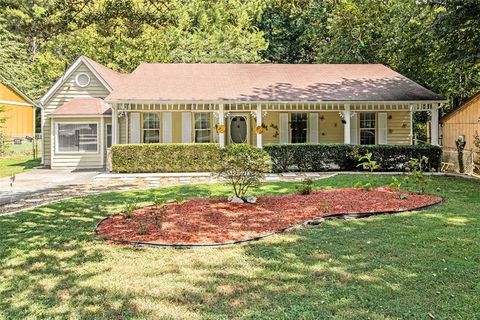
point(325, 157)
point(156, 157)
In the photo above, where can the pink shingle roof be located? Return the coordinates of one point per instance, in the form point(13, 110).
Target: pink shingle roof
point(113, 78)
point(83, 106)
point(268, 82)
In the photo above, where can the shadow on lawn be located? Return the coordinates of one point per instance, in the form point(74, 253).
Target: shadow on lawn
point(52, 264)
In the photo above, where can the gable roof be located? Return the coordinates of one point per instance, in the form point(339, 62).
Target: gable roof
point(113, 78)
point(83, 106)
point(461, 107)
point(10, 85)
point(268, 82)
point(109, 78)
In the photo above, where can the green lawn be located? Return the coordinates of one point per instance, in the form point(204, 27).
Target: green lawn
point(410, 265)
point(18, 158)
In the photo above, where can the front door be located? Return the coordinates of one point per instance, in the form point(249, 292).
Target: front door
point(239, 128)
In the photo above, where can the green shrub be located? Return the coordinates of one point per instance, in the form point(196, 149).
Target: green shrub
point(324, 157)
point(156, 157)
point(305, 187)
point(417, 169)
point(243, 166)
point(129, 207)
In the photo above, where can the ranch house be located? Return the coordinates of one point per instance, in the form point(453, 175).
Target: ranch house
point(92, 107)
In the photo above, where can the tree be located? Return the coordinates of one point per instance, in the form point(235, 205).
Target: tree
point(243, 166)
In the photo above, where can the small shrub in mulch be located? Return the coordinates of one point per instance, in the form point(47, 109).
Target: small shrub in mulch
point(214, 220)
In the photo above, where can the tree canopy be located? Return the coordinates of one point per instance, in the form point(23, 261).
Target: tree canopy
point(434, 42)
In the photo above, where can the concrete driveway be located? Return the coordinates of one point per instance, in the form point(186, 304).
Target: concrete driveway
point(42, 180)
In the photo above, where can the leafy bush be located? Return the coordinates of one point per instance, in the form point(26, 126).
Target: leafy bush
point(366, 162)
point(128, 209)
point(156, 157)
point(243, 166)
point(417, 169)
point(306, 186)
point(324, 157)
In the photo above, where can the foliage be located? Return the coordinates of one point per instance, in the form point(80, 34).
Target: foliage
point(128, 208)
point(306, 186)
point(322, 157)
point(417, 168)
point(243, 166)
point(156, 157)
point(366, 162)
point(3, 144)
point(396, 183)
point(476, 140)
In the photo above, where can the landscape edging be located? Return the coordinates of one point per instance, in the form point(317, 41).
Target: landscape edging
point(271, 234)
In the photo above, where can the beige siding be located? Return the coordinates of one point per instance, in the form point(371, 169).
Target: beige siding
point(330, 127)
point(79, 160)
point(465, 121)
point(271, 135)
point(398, 126)
point(122, 124)
point(66, 92)
point(177, 127)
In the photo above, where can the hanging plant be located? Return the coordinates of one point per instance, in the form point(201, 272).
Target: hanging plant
point(220, 128)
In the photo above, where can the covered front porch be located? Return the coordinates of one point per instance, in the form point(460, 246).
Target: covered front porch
point(263, 123)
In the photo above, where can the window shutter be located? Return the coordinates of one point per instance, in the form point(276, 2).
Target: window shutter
point(186, 127)
point(313, 127)
point(283, 128)
point(167, 127)
point(382, 128)
point(135, 131)
point(354, 129)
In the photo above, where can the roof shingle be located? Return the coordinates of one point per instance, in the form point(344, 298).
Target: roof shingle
point(268, 82)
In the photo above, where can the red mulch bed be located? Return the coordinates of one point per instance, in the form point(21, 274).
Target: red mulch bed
point(214, 220)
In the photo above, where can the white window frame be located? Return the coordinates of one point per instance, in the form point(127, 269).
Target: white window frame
point(209, 115)
point(160, 137)
point(58, 123)
point(82, 74)
point(360, 127)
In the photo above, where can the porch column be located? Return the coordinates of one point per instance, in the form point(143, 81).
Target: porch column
point(434, 125)
point(347, 126)
point(411, 125)
point(259, 123)
point(114, 125)
point(221, 121)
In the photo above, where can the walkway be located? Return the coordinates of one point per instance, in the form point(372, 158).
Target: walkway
point(42, 186)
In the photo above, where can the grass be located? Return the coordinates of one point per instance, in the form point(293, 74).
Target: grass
point(17, 159)
point(413, 265)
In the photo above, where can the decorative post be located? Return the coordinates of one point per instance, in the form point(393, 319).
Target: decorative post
point(411, 125)
point(434, 125)
point(221, 126)
point(259, 128)
point(114, 124)
point(347, 125)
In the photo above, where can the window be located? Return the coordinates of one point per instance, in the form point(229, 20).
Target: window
point(299, 127)
point(109, 135)
point(367, 128)
point(77, 137)
point(202, 127)
point(151, 128)
point(82, 79)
